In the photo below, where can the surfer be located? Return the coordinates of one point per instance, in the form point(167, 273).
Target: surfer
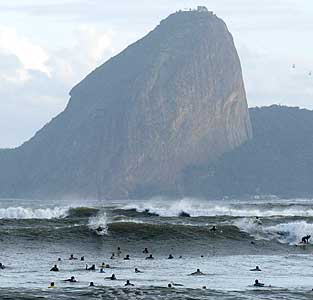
point(59, 259)
point(82, 258)
point(138, 271)
point(127, 257)
point(213, 229)
point(176, 284)
point(52, 285)
point(198, 272)
point(72, 257)
point(258, 284)
point(72, 279)
point(105, 266)
point(102, 270)
point(91, 283)
point(2, 267)
point(150, 257)
point(92, 268)
point(99, 229)
point(258, 221)
point(169, 285)
point(256, 269)
point(170, 256)
point(305, 239)
point(119, 252)
point(145, 251)
point(54, 268)
point(128, 283)
point(112, 256)
point(112, 277)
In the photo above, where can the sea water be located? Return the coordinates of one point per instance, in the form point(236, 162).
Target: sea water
point(264, 232)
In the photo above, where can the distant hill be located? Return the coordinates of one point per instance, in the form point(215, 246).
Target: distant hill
point(171, 101)
point(278, 160)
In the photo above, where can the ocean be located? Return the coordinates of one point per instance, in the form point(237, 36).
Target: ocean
point(263, 231)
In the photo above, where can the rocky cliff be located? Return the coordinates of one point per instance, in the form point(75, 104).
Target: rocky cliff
point(172, 100)
point(277, 161)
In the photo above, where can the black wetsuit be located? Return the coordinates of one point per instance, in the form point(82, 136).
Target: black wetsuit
point(54, 269)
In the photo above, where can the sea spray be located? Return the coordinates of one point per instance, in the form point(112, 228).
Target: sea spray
point(33, 213)
point(198, 208)
point(286, 233)
point(99, 223)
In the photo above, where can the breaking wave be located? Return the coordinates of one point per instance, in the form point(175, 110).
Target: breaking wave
point(99, 224)
point(207, 209)
point(287, 232)
point(33, 213)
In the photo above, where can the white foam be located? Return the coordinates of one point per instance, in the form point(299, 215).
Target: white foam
point(290, 233)
point(99, 221)
point(33, 213)
point(287, 233)
point(196, 208)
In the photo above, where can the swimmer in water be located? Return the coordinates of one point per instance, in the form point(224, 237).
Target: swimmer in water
point(150, 257)
point(52, 285)
point(170, 256)
point(258, 284)
point(59, 259)
point(204, 287)
point(198, 272)
point(102, 271)
point(128, 283)
point(92, 268)
point(72, 257)
point(55, 269)
point(169, 285)
point(138, 271)
point(256, 269)
point(91, 283)
point(2, 267)
point(72, 279)
point(112, 256)
point(127, 257)
point(82, 258)
point(145, 251)
point(119, 252)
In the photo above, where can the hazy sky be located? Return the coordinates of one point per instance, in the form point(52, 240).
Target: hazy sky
point(47, 46)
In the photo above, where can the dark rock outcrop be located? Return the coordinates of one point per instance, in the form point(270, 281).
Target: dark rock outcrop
point(172, 100)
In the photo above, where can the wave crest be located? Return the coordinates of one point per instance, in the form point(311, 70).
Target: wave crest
point(196, 208)
point(33, 213)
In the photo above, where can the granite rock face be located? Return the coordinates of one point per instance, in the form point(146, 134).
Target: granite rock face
point(172, 100)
